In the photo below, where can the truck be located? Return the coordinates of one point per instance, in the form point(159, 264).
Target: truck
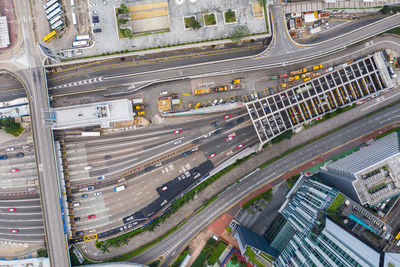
point(221, 88)
point(119, 188)
point(236, 81)
point(91, 133)
point(291, 78)
point(305, 75)
point(202, 91)
point(139, 107)
point(317, 67)
point(300, 71)
point(138, 101)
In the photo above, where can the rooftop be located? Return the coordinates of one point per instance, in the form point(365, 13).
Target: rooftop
point(4, 35)
point(95, 114)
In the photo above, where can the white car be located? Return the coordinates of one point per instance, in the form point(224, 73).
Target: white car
point(9, 149)
point(177, 142)
point(97, 193)
point(94, 12)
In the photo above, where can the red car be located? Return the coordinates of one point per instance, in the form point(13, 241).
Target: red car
point(13, 231)
point(239, 146)
point(177, 131)
point(283, 75)
point(211, 156)
point(230, 138)
point(227, 116)
point(91, 216)
point(14, 170)
point(11, 209)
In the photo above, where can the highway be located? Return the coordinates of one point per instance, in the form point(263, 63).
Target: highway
point(171, 245)
point(137, 75)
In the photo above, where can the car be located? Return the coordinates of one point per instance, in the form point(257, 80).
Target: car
point(20, 155)
point(187, 153)
point(211, 155)
point(177, 131)
point(214, 124)
point(94, 12)
point(9, 149)
point(89, 188)
point(230, 138)
point(177, 142)
point(94, 4)
point(227, 116)
point(92, 216)
point(229, 125)
point(77, 219)
point(107, 157)
point(195, 141)
point(11, 209)
point(164, 188)
point(217, 131)
point(95, 17)
point(85, 195)
point(100, 177)
point(3, 157)
point(97, 193)
point(79, 233)
point(14, 170)
point(96, 24)
point(240, 120)
point(165, 93)
point(13, 231)
point(239, 146)
point(97, 30)
point(283, 75)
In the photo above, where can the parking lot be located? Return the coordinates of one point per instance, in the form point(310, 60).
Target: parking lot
point(345, 85)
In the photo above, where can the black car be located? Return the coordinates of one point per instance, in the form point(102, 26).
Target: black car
point(240, 120)
point(229, 125)
point(76, 219)
point(217, 131)
point(20, 155)
point(147, 169)
point(108, 157)
point(97, 30)
point(187, 153)
point(79, 233)
point(214, 124)
point(95, 17)
point(195, 141)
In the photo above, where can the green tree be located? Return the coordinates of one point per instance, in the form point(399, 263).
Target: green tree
point(230, 16)
point(192, 23)
point(239, 32)
point(234, 259)
point(123, 9)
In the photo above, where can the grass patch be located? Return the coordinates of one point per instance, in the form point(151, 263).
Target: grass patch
point(216, 253)
point(252, 256)
point(267, 257)
point(230, 16)
point(394, 31)
point(336, 203)
point(387, 133)
point(229, 229)
point(209, 19)
point(208, 248)
point(181, 257)
point(42, 253)
point(74, 260)
point(292, 180)
point(11, 127)
point(267, 195)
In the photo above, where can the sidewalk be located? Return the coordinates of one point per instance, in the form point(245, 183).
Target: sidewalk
point(243, 169)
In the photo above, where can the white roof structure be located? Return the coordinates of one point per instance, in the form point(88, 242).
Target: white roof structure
point(33, 262)
point(308, 18)
point(94, 114)
point(14, 112)
point(393, 259)
point(4, 36)
point(351, 244)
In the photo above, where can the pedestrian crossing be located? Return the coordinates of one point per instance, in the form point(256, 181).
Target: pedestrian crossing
point(87, 81)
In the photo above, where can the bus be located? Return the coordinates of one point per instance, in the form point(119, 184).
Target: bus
point(80, 43)
point(82, 37)
point(55, 19)
point(54, 13)
point(50, 3)
point(398, 235)
point(74, 19)
point(57, 25)
point(72, 2)
point(50, 36)
point(53, 7)
point(91, 133)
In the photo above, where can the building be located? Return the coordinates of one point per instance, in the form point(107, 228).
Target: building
point(101, 114)
point(4, 35)
point(370, 175)
point(309, 238)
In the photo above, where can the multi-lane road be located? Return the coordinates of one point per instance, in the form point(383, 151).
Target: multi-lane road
point(170, 246)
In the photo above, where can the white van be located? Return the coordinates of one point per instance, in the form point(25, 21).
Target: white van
point(77, 204)
point(89, 167)
point(221, 101)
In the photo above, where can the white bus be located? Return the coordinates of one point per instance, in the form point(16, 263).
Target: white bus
point(50, 3)
point(82, 37)
point(74, 18)
point(54, 13)
point(72, 2)
point(55, 19)
point(57, 25)
point(91, 133)
point(53, 7)
point(80, 43)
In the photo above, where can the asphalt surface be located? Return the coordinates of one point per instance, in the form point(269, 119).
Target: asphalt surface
point(138, 75)
point(34, 81)
point(170, 246)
